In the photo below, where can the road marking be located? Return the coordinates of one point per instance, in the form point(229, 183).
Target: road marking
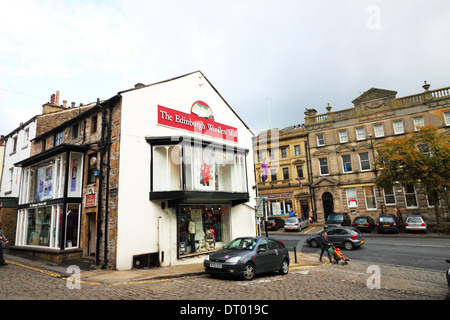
point(51, 274)
point(309, 231)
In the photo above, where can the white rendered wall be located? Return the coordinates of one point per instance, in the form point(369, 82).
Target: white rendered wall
point(138, 217)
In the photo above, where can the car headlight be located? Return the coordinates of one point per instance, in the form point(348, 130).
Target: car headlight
point(233, 260)
point(207, 257)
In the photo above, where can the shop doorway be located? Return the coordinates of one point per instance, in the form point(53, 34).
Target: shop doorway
point(92, 229)
point(327, 203)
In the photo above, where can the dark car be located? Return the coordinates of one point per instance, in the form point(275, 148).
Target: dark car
point(387, 223)
point(364, 223)
point(245, 257)
point(347, 237)
point(448, 281)
point(338, 219)
point(274, 223)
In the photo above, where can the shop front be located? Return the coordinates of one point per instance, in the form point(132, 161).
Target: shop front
point(48, 217)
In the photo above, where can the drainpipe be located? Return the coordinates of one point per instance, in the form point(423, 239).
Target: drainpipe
point(108, 169)
point(100, 195)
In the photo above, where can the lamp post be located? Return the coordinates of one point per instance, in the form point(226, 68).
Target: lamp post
point(376, 172)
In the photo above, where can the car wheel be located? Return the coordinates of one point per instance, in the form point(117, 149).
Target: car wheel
point(249, 271)
point(314, 243)
point(284, 267)
point(348, 245)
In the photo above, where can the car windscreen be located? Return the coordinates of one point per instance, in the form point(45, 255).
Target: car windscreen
point(241, 244)
point(335, 217)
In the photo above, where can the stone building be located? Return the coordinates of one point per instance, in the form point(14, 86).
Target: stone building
point(343, 146)
point(284, 184)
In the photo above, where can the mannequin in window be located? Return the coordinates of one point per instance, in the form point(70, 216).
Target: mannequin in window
point(191, 230)
point(70, 223)
point(204, 179)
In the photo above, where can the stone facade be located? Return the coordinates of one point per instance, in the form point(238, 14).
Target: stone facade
point(285, 153)
point(351, 136)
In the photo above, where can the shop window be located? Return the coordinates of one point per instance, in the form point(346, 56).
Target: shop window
point(202, 228)
point(205, 169)
point(75, 178)
point(72, 225)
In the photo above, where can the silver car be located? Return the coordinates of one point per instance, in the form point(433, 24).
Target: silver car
point(416, 223)
point(295, 224)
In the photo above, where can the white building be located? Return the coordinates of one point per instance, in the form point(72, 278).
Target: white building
point(170, 133)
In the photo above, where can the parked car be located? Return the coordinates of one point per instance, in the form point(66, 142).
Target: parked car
point(448, 281)
point(416, 223)
point(248, 256)
point(387, 223)
point(338, 219)
point(274, 223)
point(295, 223)
point(364, 223)
point(347, 237)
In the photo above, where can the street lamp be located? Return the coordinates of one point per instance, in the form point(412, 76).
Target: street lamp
point(376, 172)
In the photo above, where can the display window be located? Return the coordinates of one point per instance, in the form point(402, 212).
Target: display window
point(43, 226)
point(202, 228)
point(191, 167)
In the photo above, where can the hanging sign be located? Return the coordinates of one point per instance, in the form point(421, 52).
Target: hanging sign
point(200, 120)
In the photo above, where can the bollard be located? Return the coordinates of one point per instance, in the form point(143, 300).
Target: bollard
point(295, 254)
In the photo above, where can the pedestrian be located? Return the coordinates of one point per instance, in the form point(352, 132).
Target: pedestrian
point(3, 241)
point(324, 245)
point(311, 216)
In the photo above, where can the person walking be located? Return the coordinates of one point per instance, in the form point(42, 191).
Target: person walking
point(3, 241)
point(324, 245)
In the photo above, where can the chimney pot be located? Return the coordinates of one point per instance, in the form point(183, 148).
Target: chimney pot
point(52, 99)
point(73, 104)
point(57, 98)
point(64, 103)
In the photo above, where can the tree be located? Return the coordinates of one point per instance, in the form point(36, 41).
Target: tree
point(421, 158)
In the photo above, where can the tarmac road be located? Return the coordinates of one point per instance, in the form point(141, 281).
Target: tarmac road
point(417, 251)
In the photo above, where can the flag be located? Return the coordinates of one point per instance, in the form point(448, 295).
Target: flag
point(266, 169)
point(299, 181)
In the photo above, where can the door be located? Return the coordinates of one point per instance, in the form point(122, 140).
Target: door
point(327, 202)
point(262, 260)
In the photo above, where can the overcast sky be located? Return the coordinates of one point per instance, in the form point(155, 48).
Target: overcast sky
point(268, 59)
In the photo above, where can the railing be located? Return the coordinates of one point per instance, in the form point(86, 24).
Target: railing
point(396, 103)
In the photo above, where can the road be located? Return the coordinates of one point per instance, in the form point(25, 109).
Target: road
point(408, 251)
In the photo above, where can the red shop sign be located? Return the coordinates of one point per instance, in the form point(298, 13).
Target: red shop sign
point(201, 120)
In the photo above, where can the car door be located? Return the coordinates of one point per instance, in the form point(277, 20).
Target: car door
point(339, 237)
point(262, 257)
point(275, 255)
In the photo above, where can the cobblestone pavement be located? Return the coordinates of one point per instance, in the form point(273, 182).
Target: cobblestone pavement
point(323, 282)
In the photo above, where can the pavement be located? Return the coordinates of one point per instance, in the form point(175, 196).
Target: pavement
point(299, 260)
point(96, 275)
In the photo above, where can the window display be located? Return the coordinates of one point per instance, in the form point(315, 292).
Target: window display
point(202, 228)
